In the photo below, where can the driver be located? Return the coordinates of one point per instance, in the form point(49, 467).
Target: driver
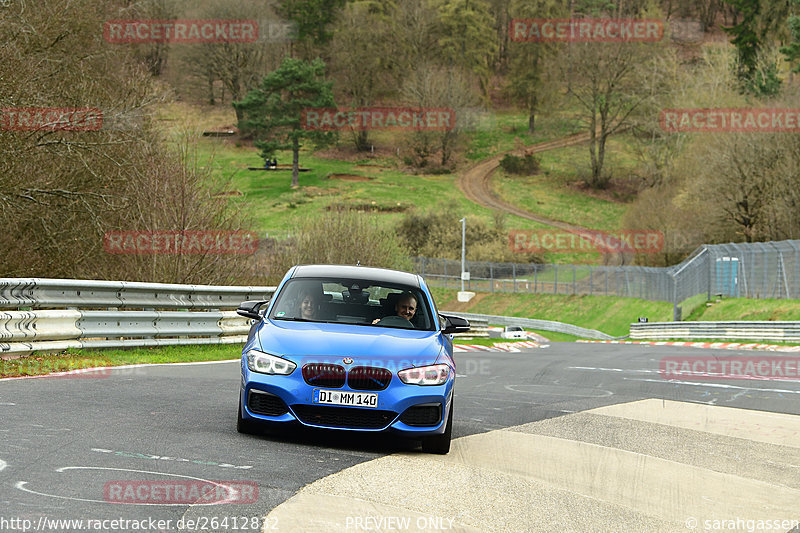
point(405, 307)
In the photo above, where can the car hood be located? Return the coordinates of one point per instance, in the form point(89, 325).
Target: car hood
point(305, 339)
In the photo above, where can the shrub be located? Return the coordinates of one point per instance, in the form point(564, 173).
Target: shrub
point(525, 166)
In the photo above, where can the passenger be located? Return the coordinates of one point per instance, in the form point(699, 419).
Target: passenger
point(308, 307)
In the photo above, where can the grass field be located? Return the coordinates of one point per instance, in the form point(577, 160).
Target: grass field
point(509, 131)
point(82, 359)
point(555, 191)
point(382, 184)
point(608, 314)
point(747, 309)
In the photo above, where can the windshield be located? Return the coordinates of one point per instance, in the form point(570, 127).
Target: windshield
point(353, 301)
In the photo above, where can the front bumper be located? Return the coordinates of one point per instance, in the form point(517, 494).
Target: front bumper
point(405, 409)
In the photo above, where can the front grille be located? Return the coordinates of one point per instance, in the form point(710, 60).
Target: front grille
point(324, 375)
point(343, 417)
point(262, 403)
point(422, 415)
point(368, 378)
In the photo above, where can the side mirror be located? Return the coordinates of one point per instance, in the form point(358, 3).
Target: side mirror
point(454, 324)
point(251, 308)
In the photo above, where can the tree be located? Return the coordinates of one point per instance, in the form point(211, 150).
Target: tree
point(738, 177)
point(415, 35)
point(61, 191)
point(363, 62)
point(759, 21)
point(610, 83)
point(273, 112)
point(311, 18)
point(467, 37)
point(792, 50)
point(153, 55)
point(431, 86)
point(237, 65)
point(531, 64)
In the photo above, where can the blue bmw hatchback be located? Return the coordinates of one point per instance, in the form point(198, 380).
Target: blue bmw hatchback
point(350, 348)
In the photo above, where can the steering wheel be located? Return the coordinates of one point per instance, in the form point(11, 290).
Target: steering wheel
point(395, 321)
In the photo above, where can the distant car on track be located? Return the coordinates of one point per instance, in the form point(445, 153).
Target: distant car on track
point(514, 332)
point(350, 348)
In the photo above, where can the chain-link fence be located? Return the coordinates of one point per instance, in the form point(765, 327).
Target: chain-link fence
point(749, 270)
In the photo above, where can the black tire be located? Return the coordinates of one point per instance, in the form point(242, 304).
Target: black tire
point(440, 444)
point(244, 426)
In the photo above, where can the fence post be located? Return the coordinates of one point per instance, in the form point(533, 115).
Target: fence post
point(676, 311)
point(555, 283)
point(796, 269)
point(491, 275)
point(514, 276)
point(573, 280)
point(711, 266)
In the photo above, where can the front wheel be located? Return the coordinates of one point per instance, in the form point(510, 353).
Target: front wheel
point(440, 444)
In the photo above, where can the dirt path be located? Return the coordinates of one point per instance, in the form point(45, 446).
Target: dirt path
point(476, 182)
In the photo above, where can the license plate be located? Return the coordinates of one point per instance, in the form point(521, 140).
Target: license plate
point(352, 399)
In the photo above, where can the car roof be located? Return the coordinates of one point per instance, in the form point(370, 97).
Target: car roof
point(381, 275)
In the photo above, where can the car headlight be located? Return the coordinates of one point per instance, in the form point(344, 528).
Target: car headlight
point(265, 363)
point(425, 375)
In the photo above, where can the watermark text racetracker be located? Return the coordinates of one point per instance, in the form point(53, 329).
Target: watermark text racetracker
point(50, 119)
point(192, 242)
point(378, 118)
point(730, 120)
point(189, 492)
point(586, 30)
point(733, 367)
point(180, 31)
point(538, 241)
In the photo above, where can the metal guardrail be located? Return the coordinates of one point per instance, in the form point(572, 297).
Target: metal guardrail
point(532, 323)
point(69, 313)
point(23, 332)
point(45, 293)
point(764, 330)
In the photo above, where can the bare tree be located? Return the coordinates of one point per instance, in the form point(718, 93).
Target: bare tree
point(363, 65)
point(437, 87)
point(611, 83)
point(62, 190)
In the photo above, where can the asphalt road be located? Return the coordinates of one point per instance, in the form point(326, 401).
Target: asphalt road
point(64, 441)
